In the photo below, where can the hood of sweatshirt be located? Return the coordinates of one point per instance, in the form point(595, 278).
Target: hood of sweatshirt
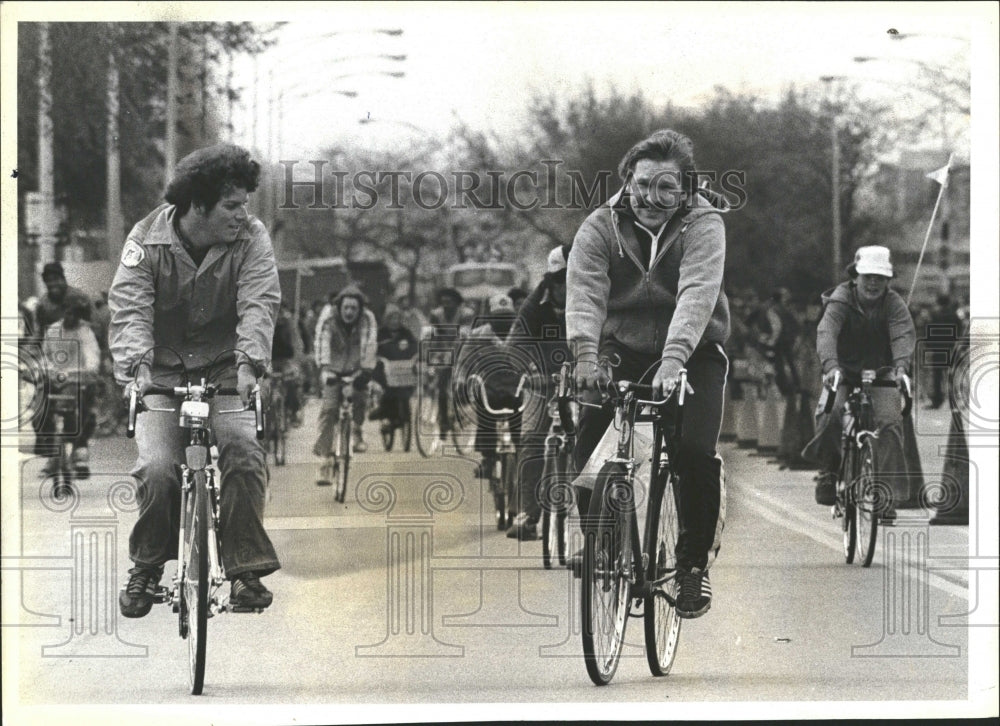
point(351, 291)
point(705, 202)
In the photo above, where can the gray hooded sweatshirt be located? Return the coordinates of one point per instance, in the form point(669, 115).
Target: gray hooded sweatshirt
point(668, 310)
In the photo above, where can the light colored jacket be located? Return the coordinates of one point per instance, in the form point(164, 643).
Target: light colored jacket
point(159, 297)
point(668, 310)
point(346, 350)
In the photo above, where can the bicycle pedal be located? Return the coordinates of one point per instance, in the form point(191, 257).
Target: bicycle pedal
point(242, 609)
point(162, 595)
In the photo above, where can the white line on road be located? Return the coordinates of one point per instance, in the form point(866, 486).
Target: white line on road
point(779, 513)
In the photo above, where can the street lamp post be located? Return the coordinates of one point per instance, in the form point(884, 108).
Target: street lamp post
point(837, 259)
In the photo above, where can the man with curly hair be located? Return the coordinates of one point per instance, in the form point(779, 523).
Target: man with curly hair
point(198, 284)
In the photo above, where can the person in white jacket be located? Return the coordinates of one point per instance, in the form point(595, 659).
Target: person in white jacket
point(73, 358)
point(346, 343)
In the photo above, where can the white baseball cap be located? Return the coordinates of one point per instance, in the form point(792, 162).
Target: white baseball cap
point(873, 260)
point(556, 261)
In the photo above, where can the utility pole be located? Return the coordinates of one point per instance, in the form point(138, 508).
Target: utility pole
point(46, 184)
point(170, 148)
point(113, 215)
point(835, 202)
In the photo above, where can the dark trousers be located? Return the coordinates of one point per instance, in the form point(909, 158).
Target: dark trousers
point(700, 489)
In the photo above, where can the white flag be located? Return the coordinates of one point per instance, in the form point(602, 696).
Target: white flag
point(941, 175)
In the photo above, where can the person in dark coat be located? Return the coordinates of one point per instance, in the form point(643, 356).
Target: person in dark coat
point(865, 325)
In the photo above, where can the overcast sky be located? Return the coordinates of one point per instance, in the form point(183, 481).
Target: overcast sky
point(482, 61)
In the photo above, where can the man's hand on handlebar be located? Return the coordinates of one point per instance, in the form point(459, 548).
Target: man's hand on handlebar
point(668, 377)
point(246, 381)
point(589, 374)
point(832, 378)
point(141, 383)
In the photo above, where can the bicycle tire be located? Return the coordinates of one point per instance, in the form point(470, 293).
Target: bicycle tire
point(406, 434)
point(554, 510)
point(343, 461)
point(196, 577)
point(388, 438)
point(508, 479)
point(604, 619)
point(867, 504)
point(427, 428)
point(847, 503)
point(662, 623)
point(280, 428)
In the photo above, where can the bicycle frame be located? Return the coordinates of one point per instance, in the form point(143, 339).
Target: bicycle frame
point(627, 414)
point(504, 444)
point(194, 413)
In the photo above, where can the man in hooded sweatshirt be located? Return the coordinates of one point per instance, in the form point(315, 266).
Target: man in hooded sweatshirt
point(346, 345)
point(644, 290)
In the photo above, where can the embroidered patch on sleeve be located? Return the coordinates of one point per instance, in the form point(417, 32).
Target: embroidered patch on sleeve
point(132, 254)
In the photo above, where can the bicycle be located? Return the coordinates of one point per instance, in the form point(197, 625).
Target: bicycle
point(400, 377)
point(428, 419)
point(64, 406)
point(501, 466)
point(336, 466)
point(617, 568)
point(196, 592)
point(861, 497)
point(557, 475)
point(276, 433)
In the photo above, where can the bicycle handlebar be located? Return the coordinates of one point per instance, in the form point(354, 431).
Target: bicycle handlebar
point(137, 404)
point(486, 403)
point(870, 378)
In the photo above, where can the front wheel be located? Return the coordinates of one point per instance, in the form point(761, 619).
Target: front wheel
point(557, 500)
point(343, 462)
point(508, 480)
point(867, 503)
point(195, 581)
point(605, 590)
point(845, 496)
point(663, 625)
point(427, 429)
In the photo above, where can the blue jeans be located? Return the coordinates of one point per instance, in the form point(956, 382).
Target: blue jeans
point(242, 462)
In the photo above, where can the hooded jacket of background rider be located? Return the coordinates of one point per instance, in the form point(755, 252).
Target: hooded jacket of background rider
point(346, 348)
point(853, 339)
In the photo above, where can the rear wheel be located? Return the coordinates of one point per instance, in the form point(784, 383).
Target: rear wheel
point(195, 582)
point(606, 587)
point(663, 625)
point(865, 491)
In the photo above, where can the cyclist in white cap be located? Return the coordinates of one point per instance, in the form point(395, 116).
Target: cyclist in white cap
point(865, 325)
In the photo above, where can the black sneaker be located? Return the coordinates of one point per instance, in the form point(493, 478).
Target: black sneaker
point(826, 489)
point(695, 596)
point(249, 592)
point(523, 528)
point(136, 600)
